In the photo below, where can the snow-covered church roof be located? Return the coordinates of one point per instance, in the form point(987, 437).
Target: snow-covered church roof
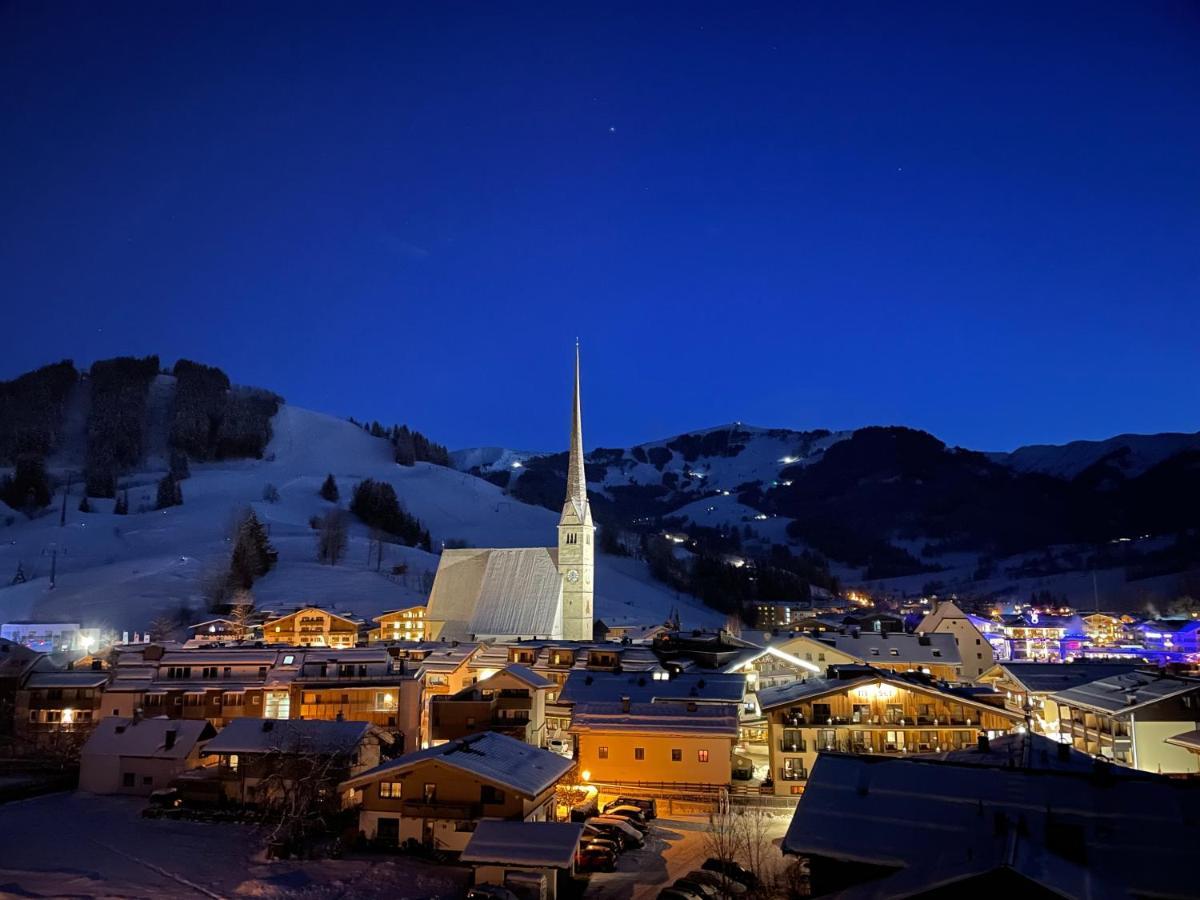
point(494, 593)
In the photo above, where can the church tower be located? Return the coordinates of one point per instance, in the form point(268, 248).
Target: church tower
point(576, 537)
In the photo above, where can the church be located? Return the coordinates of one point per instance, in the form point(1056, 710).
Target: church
point(504, 594)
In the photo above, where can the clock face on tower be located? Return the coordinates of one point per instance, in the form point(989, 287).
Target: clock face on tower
point(572, 576)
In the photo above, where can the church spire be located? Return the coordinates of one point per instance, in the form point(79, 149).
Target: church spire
point(576, 476)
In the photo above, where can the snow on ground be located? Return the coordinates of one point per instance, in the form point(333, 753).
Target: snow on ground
point(81, 845)
point(122, 571)
point(721, 510)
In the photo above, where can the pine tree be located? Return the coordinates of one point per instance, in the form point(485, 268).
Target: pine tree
point(329, 490)
point(169, 493)
point(253, 556)
point(19, 578)
point(121, 506)
point(84, 506)
point(179, 465)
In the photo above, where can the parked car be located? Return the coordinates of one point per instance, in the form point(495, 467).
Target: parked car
point(595, 859)
point(728, 885)
point(625, 816)
point(732, 871)
point(618, 829)
point(649, 808)
point(699, 888)
point(639, 829)
point(561, 746)
point(581, 812)
point(627, 810)
point(490, 892)
point(598, 840)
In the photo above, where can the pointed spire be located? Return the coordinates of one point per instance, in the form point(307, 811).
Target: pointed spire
point(576, 476)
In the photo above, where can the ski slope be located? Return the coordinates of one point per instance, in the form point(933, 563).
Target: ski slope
point(121, 572)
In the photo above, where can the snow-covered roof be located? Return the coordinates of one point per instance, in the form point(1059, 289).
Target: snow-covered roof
point(655, 718)
point(753, 654)
point(1189, 740)
point(497, 592)
point(1045, 678)
point(550, 844)
point(146, 738)
point(1124, 693)
point(939, 821)
point(250, 735)
point(896, 647)
point(521, 673)
point(88, 679)
point(698, 687)
point(489, 756)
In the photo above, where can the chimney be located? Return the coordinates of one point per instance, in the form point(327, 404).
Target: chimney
point(983, 743)
point(170, 739)
point(624, 704)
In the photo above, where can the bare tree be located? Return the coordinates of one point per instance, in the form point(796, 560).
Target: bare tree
point(240, 614)
point(299, 791)
point(332, 537)
point(163, 628)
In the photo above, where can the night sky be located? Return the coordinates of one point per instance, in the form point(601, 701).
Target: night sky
point(978, 219)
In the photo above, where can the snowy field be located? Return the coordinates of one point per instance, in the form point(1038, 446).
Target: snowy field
point(122, 571)
point(84, 846)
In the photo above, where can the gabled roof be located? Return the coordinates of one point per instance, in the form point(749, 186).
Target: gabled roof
point(1043, 678)
point(896, 647)
point(497, 592)
point(550, 844)
point(1124, 693)
point(859, 676)
point(754, 654)
point(146, 738)
point(655, 718)
point(1188, 740)
point(640, 687)
point(489, 756)
point(88, 679)
point(940, 821)
point(521, 673)
point(248, 735)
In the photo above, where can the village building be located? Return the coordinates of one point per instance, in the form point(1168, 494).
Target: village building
point(16, 662)
point(505, 594)
point(556, 660)
point(974, 650)
point(1017, 816)
point(404, 624)
point(1128, 718)
point(677, 745)
point(58, 708)
point(1175, 639)
point(527, 858)
point(1037, 637)
point(1026, 685)
point(223, 630)
point(140, 756)
point(436, 797)
point(512, 702)
point(255, 761)
point(51, 637)
point(935, 655)
point(1107, 629)
point(362, 684)
point(313, 626)
point(862, 709)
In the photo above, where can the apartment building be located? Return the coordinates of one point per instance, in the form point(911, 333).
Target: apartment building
point(512, 702)
point(53, 707)
point(404, 624)
point(974, 650)
point(435, 797)
point(863, 709)
point(313, 626)
point(936, 655)
point(1128, 718)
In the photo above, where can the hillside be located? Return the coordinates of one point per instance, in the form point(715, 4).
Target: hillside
point(897, 509)
point(123, 570)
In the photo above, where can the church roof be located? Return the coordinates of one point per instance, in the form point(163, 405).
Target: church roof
point(497, 592)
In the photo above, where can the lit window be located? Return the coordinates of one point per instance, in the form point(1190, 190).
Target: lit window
point(389, 790)
point(289, 659)
point(702, 756)
point(602, 753)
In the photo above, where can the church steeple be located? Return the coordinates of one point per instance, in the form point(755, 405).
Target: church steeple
point(576, 501)
point(576, 535)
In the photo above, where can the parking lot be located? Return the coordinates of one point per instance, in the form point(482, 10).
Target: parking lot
point(674, 847)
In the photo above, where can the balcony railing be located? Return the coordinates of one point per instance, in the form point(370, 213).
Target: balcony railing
point(786, 774)
point(434, 809)
point(793, 746)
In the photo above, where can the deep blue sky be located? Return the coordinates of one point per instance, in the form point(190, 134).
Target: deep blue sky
point(978, 219)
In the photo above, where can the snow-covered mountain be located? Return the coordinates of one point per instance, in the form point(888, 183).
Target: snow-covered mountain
point(121, 571)
point(1129, 454)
